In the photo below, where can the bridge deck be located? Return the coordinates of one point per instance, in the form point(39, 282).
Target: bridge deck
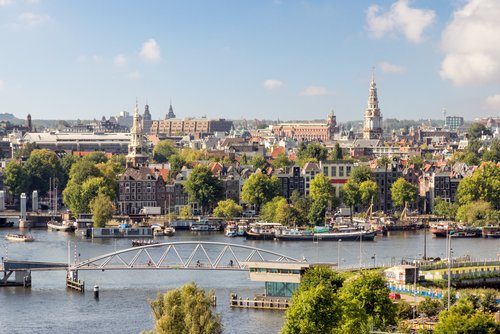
point(32, 265)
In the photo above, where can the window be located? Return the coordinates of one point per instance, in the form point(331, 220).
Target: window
point(348, 171)
point(325, 170)
point(341, 170)
point(334, 171)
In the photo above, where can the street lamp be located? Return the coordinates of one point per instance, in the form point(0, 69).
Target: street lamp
point(374, 259)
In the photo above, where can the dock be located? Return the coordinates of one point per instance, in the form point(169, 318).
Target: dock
point(262, 303)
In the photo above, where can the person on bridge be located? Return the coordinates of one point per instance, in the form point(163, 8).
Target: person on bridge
point(230, 263)
point(198, 264)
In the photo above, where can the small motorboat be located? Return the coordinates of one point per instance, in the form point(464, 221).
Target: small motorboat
point(19, 237)
point(231, 231)
point(169, 231)
point(64, 226)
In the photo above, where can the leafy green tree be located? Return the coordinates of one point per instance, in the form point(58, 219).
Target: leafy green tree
point(320, 274)
point(185, 211)
point(311, 152)
point(313, 311)
point(476, 130)
point(368, 191)
point(228, 209)
point(259, 162)
point(67, 162)
point(318, 211)
point(277, 210)
point(16, 178)
point(337, 153)
point(369, 289)
point(463, 318)
point(102, 209)
point(492, 153)
point(484, 184)
point(259, 189)
point(281, 161)
point(301, 204)
point(244, 160)
point(429, 307)
point(91, 188)
point(185, 310)
point(40, 167)
point(72, 197)
point(417, 161)
point(351, 194)
point(478, 213)
point(163, 150)
point(203, 187)
point(321, 188)
point(119, 160)
point(96, 157)
point(403, 192)
point(404, 310)
point(25, 151)
point(83, 170)
point(444, 208)
point(361, 174)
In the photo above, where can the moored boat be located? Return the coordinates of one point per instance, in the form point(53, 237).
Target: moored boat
point(205, 226)
point(64, 226)
point(442, 230)
point(262, 231)
point(169, 231)
point(19, 237)
point(334, 235)
point(491, 232)
point(231, 231)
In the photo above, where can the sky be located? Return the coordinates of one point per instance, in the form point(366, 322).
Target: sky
point(260, 59)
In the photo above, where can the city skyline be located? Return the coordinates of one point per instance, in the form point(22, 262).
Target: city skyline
point(264, 59)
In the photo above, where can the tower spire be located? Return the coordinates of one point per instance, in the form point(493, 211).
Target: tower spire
point(372, 125)
point(136, 156)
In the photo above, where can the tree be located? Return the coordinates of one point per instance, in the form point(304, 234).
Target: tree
point(478, 213)
point(404, 310)
point(96, 157)
point(369, 290)
point(368, 191)
point(25, 151)
point(102, 209)
point(163, 151)
point(351, 194)
point(403, 192)
point(318, 211)
point(301, 205)
point(83, 170)
point(185, 211)
point(320, 274)
point(476, 130)
point(313, 311)
point(40, 167)
point(243, 160)
point(203, 187)
point(277, 210)
point(493, 152)
point(15, 178)
point(361, 174)
point(484, 184)
point(429, 307)
point(228, 209)
point(90, 189)
point(72, 197)
point(281, 161)
point(259, 189)
point(259, 162)
point(444, 208)
point(463, 318)
point(321, 188)
point(185, 310)
point(311, 152)
point(337, 153)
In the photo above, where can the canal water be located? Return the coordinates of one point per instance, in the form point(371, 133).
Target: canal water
point(123, 304)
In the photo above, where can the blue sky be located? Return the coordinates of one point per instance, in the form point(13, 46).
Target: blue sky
point(249, 59)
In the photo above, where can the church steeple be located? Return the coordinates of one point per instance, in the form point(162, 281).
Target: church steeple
point(170, 112)
point(136, 156)
point(372, 125)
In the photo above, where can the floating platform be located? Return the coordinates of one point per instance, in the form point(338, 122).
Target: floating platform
point(262, 303)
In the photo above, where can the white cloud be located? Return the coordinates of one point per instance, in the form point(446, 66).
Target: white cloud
point(32, 19)
point(134, 75)
point(493, 102)
point(391, 68)
point(314, 91)
point(150, 51)
point(120, 60)
point(401, 18)
point(471, 43)
point(5, 2)
point(2, 84)
point(272, 84)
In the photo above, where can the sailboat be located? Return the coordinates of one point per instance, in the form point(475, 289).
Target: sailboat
point(53, 224)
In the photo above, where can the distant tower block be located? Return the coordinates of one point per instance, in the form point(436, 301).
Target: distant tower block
point(2, 200)
point(34, 201)
point(23, 206)
point(29, 124)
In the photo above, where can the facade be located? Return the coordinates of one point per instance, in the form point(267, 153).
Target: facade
point(372, 124)
point(291, 180)
point(310, 170)
point(146, 120)
point(338, 171)
point(385, 177)
point(308, 131)
point(116, 143)
point(190, 126)
point(453, 122)
point(139, 186)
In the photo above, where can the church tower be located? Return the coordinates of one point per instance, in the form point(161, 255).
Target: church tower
point(170, 114)
point(136, 156)
point(146, 120)
point(331, 122)
point(372, 125)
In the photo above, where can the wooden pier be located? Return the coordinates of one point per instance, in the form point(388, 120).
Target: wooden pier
point(262, 303)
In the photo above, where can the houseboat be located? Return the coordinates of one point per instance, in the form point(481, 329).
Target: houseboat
point(231, 230)
point(344, 234)
point(492, 232)
point(204, 225)
point(122, 232)
point(144, 242)
point(64, 226)
point(262, 231)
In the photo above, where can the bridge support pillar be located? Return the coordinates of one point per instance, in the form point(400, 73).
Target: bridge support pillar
point(72, 281)
point(21, 278)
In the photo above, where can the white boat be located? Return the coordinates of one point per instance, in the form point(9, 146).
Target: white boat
point(169, 231)
point(231, 231)
point(19, 237)
point(64, 226)
point(157, 230)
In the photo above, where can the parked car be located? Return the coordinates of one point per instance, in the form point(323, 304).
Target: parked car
point(394, 295)
point(248, 213)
